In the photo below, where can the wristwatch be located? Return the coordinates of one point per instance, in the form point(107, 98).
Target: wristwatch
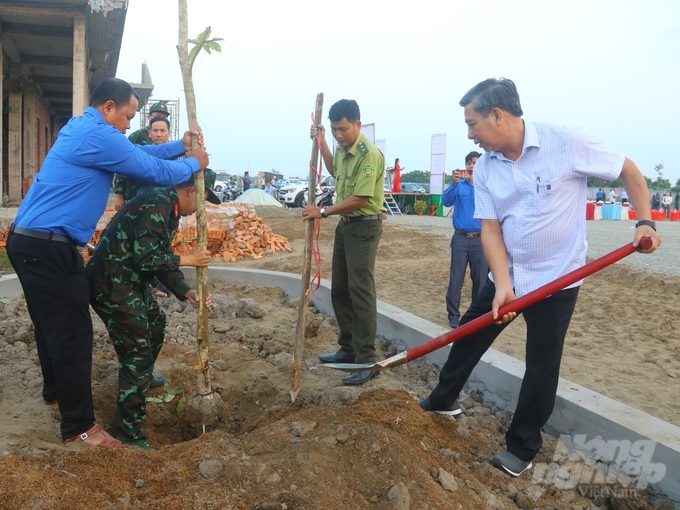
point(646, 223)
point(323, 212)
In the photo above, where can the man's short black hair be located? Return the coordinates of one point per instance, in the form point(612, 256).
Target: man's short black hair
point(161, 119)
point(473, 154)
point(344, 109)
point(493, 93)
point(112, 89)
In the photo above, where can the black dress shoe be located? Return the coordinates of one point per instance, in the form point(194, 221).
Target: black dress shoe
point(337, 357)
point(360, 377)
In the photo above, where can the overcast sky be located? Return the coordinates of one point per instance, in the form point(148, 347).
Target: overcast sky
point(611, 67)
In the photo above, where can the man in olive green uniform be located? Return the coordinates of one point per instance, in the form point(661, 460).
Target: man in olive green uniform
point(126, 187)
point(359, 170)
point(134, 249)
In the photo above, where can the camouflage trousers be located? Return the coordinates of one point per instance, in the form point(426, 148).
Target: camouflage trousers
point(138, 339)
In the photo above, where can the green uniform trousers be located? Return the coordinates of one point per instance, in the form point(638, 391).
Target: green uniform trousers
point(353, 287)
point(138, 339)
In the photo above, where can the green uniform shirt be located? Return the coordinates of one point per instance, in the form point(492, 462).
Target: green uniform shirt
point(360, 171)
point(127, 186)
point(135, 247)
point(141, 137)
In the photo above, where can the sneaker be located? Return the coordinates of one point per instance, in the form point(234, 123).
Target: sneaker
point(452, 410)
point(157, 381)
point(454, 323)
point(139, 443)
point(512, 465)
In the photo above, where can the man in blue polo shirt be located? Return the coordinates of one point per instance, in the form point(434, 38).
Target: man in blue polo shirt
point(466, 243)
point(60, 212)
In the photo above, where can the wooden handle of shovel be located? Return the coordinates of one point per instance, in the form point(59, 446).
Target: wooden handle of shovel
point(528, 299)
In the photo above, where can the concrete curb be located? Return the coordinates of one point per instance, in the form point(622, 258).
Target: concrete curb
point(606, 427)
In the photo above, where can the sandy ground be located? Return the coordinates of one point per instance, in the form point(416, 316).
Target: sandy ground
point(339, 447)
point(622, 340)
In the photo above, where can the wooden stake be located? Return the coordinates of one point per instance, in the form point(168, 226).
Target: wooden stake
point(204, 386)
point(305, 290)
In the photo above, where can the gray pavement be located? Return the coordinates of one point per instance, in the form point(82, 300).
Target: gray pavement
point(603, 237)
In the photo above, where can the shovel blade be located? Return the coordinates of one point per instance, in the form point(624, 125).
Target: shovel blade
point(396, 360)
point(353, 367)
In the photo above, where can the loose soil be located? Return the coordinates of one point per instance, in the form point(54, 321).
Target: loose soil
point(338, 447)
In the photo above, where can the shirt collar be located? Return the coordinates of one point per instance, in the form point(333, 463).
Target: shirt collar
point(95, 113)
point(355, 146)
point(174, 199)
point(530, 140)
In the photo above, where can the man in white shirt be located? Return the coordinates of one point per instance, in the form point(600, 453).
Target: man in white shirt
point(612, 195)
point(530, 187)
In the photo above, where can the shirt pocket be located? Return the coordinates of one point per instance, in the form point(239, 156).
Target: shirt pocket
point(553, 187)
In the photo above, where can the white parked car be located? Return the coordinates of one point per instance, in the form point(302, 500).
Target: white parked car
point(295, 194)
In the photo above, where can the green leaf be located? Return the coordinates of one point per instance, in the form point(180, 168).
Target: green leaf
point(192, 53)
point(168, 397)
point(5, 300)
point(181, 405)
point(174, 391)
point(154, 400)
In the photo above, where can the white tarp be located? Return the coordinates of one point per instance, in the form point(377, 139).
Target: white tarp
point(258, 197)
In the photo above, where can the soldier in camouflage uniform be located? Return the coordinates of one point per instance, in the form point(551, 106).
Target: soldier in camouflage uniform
point(134, 249)
point(126, 187)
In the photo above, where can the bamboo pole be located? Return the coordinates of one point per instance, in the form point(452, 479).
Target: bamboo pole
point(204, 386)
point(305, 290)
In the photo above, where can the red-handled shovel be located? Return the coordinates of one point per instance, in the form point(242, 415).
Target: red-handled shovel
point(487, 319)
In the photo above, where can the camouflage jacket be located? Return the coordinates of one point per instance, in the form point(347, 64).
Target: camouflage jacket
point(127, 186)
point(141, 137)
point(134, 248)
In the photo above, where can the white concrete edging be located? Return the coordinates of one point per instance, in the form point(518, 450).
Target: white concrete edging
point(578, 410)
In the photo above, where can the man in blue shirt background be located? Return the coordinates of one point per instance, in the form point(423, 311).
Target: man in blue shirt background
point(466, 243)
point(60, 212)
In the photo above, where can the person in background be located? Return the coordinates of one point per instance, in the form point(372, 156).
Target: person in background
point(624, 197)
point(126, 187)
point(59, 213)
point(599, 196)
point(396, 185)
point(530, 186)
point(466, 242)
point(666, 202)
point(677, 200)
point(612, 195)
point(143, 136)
point(246, 181)
point(359, 169)
point(159, 131)
point(656, 202)
point(271, 190)
point(135, 249)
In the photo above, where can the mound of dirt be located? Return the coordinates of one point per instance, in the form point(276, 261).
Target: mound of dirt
point(338, 447)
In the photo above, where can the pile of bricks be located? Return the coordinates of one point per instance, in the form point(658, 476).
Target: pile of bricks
point(250, 237)
point(3, 238)
point(234, 232)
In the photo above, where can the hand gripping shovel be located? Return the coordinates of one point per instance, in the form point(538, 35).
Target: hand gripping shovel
point(487, 319)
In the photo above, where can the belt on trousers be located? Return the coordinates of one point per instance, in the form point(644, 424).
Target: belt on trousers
point(350, 219)
point(41, 234)
point(467, 234)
